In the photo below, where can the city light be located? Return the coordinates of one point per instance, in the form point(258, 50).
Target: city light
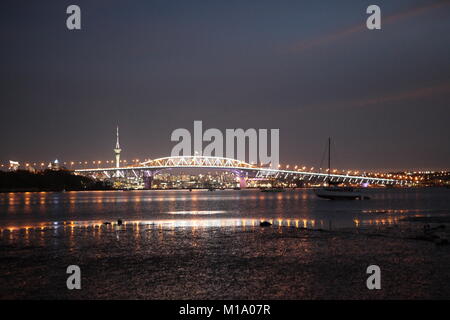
point(408, 177)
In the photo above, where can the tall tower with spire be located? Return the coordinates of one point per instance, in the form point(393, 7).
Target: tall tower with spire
point(117, 149)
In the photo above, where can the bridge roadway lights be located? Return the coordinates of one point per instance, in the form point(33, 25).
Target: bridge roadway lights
point(150, 168)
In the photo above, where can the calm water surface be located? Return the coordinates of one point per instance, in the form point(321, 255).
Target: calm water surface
point(231, 207)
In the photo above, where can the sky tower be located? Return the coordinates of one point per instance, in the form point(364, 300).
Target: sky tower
point(117, 149)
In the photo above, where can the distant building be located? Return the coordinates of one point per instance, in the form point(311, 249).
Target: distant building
point(54, 165)
point(30, 168)
point(13, 165)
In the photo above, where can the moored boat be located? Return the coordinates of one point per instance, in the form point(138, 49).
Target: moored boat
point(334, 192)
point(340, 193)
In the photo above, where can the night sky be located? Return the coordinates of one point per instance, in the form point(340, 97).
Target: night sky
point(309, 68)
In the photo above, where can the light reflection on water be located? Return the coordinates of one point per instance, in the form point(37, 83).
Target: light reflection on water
point(205, 212)
point(203, 223)
point(164, 223)
point(70, 232)
point(298, 208)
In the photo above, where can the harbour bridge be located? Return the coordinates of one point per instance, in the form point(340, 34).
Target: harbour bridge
point(243, 170)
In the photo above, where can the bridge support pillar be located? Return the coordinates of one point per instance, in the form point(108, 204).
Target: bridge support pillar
point(242, 182)
point(148, 180)
point(243, 179)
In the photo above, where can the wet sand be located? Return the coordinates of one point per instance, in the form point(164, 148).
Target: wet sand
point(159, 262)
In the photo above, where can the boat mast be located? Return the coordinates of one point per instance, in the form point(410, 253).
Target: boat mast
point(329, 159)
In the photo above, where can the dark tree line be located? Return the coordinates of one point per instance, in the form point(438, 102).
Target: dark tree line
point(48, 180)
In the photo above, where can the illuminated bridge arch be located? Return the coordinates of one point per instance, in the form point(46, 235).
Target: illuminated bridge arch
point(150, 167)
point(197, 161)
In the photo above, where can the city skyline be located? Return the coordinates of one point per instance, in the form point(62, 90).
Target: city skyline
point(311, 70)
point(117, 162)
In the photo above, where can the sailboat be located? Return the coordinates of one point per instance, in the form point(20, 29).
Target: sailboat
point(334, 192)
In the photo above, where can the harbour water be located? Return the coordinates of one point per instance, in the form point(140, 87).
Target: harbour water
point(209, 245)
point(219, 208)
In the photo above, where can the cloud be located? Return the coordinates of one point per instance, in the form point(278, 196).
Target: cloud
point(406, 95)
point(347, 32)
point(418, 93)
